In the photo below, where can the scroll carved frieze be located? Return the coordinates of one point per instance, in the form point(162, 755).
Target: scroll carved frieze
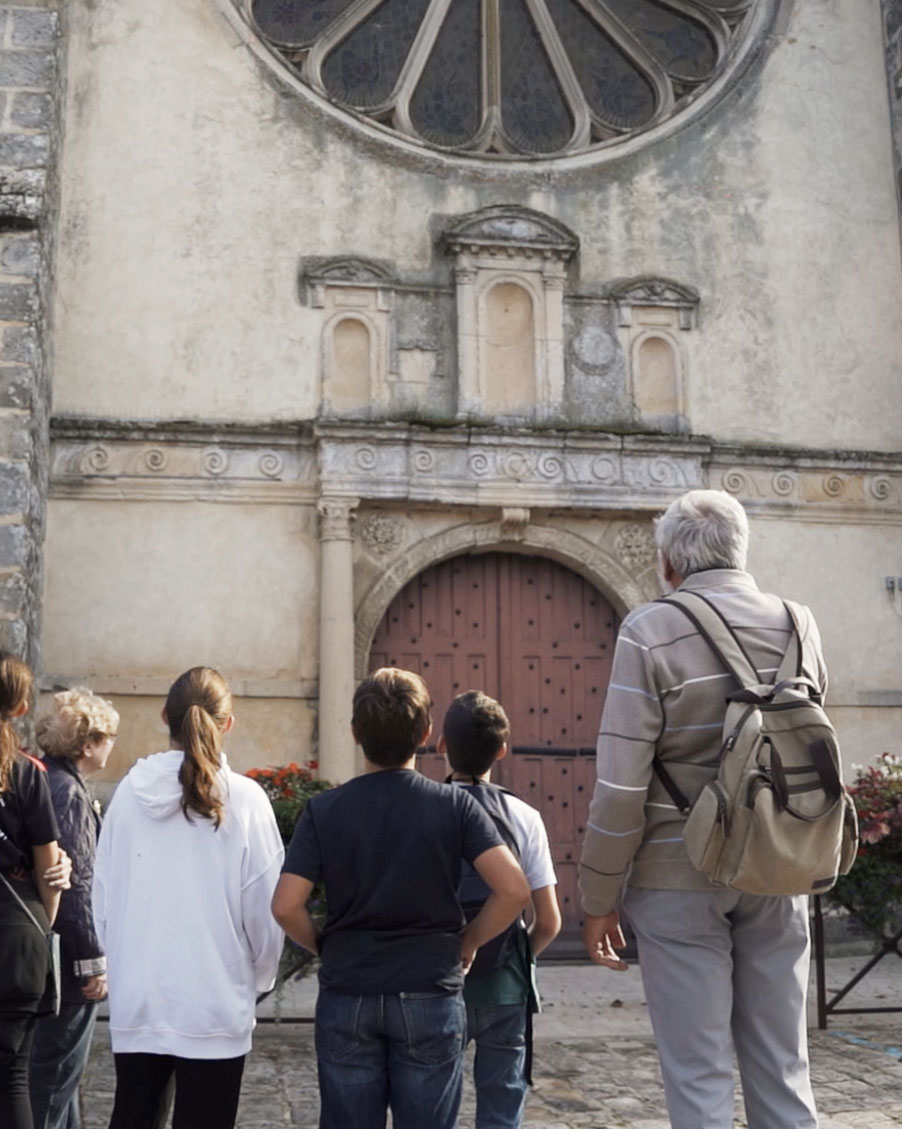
point(135, 467)
point(856, 488)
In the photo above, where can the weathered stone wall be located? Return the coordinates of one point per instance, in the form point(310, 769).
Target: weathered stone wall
point(216, 224)
point(29, 91)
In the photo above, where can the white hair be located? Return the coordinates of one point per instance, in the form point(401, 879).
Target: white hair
point(703, 529)
point(77, 717)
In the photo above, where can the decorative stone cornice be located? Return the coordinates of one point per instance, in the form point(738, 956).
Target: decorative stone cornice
point(142, 462)
point(408, 464)
point(523, 469)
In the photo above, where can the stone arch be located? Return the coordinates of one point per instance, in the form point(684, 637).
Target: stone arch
point(604, 571)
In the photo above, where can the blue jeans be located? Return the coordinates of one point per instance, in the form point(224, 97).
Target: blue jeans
point(59, 1055)
point(403, 1052)
point(499, 1064)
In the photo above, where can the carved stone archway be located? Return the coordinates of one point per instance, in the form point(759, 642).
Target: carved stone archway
point(578, 553)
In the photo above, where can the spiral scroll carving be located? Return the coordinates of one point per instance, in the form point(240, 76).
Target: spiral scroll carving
point(98, 459)
point(834, 485)
point(881, 488)
point(271, 464)
point(215, 461)
point(783, 483)
point(735, 482)
point(366, 458)
point(155, 459)
point(479, 463)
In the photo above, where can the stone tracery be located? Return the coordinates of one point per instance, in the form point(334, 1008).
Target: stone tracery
point(522, 78)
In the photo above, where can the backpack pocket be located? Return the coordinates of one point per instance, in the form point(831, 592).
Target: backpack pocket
point(706, 828)
point(848, 850)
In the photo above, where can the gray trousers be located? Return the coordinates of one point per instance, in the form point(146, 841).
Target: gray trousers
point(724, 971)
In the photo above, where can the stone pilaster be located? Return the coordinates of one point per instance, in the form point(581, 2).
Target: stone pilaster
point(892, 32)
point(336, 640)
point(29, 98)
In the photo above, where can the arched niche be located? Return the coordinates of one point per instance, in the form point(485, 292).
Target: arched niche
point(657, 376)
point(509, 349)
point(348, 366)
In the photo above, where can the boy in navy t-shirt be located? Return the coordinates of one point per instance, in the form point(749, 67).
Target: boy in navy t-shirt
point(388, 847)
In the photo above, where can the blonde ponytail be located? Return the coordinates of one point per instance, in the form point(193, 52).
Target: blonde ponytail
point(198, 709)
point(15, 689)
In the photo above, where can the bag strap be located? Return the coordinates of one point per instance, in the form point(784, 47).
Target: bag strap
point(717, 633)
point(37, 923)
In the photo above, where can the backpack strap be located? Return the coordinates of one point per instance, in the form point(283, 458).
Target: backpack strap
point(498, 812)
point(717, 633)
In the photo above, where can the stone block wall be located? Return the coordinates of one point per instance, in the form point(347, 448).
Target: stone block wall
point(30, 83)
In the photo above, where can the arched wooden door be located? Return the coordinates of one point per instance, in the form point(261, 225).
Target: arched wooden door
point(540, 639)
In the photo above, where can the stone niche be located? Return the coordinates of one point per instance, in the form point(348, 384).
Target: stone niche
point(510, 267)
point(654, 318)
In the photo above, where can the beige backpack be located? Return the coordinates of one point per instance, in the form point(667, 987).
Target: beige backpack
point(776, 819)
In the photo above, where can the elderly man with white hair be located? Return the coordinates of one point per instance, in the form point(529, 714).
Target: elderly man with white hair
point(722, 970)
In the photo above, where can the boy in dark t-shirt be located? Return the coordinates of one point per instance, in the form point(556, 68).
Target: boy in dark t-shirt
point(388, 847)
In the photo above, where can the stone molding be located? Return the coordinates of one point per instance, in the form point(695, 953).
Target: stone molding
point(152, 686)
point(462, 466)
point(521, 469)
point(204, 465)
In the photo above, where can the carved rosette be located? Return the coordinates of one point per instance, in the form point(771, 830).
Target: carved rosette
point(635, 546)
point(382, 533)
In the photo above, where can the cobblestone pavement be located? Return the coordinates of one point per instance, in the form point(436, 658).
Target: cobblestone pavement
point(595, 1062)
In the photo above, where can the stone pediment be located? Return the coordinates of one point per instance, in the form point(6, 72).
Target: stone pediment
point(346, 269)
point(657, 292)
point(506, 227)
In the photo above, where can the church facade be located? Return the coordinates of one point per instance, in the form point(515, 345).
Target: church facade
point(336, 334)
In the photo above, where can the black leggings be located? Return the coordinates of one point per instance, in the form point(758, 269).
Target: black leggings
point(206, 1091)
point(16, 1033)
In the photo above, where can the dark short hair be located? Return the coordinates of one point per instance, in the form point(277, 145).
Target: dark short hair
point(391, 714)
point(475, 728)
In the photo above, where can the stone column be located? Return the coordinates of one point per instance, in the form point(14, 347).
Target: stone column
point(336, 640)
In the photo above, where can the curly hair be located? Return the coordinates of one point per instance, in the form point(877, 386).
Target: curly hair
point(77, 718)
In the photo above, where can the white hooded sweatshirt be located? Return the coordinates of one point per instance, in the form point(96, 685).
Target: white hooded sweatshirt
point(183, 912)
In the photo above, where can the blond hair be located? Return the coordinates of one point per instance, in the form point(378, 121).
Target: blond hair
point(198, 709)
point(77, 718)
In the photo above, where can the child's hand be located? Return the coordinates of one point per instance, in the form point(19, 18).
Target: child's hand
point(59, 874)
point(468, 949)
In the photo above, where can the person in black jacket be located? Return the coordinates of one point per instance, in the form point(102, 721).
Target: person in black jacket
point(33, 870)
point(76, 738)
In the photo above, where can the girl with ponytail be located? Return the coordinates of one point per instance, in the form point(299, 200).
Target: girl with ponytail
point(32, 872)
point(187, 862)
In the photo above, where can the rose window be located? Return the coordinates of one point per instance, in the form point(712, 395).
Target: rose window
point(507, 78)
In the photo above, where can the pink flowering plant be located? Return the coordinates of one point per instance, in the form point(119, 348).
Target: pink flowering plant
point(872, 890)
point(290, 787)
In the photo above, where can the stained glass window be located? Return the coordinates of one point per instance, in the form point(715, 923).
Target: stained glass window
point(506, 78)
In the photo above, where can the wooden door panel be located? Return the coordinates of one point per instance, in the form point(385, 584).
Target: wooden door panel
point(539, 638)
